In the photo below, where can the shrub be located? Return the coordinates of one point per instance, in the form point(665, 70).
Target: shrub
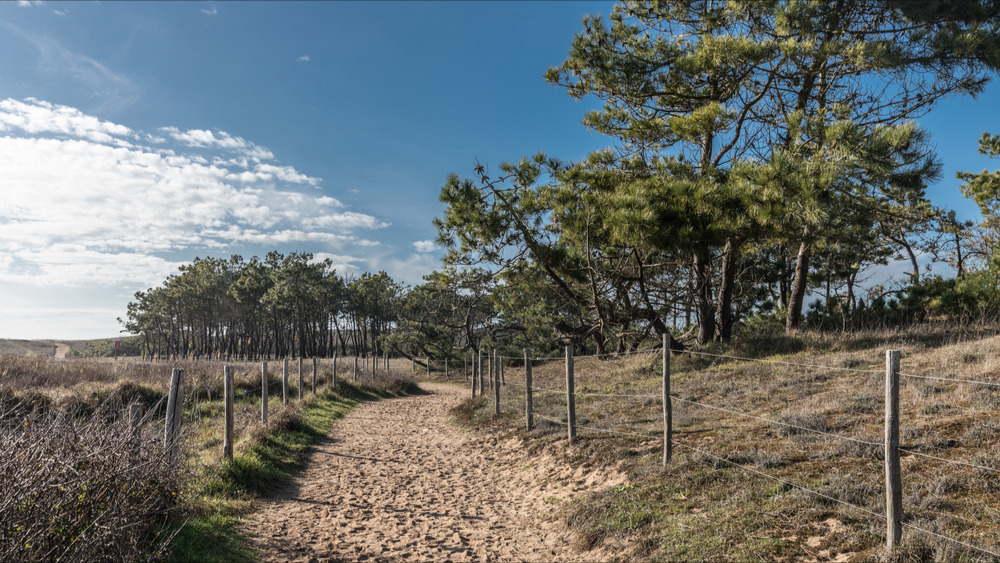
point(80, 488)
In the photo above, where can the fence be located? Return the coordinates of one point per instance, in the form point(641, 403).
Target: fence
point(535, 396)
point(178, 395)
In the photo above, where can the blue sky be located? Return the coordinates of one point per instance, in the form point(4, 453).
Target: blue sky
point(136, 136)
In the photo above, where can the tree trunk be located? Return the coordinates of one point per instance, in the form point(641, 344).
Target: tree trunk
point(725, 307)
point(783, 285)
point(959, 263)
point(704, 304)
point(794, 319)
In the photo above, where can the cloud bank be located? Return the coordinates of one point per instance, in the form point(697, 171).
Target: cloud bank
point(87, 201)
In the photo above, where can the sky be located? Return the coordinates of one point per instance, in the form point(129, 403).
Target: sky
point(136, 136)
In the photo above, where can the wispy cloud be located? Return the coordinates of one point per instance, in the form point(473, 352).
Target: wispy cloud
point(111, 88)
point(304, 59)
point(88, 201)
point(211, 12)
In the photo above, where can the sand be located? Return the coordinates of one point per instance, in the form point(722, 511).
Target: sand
point(395, 481)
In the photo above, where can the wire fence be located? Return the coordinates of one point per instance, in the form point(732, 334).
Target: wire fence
point(629, 412)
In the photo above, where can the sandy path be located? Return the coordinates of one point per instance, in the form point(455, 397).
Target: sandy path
point(396, 482)
point(61, 351)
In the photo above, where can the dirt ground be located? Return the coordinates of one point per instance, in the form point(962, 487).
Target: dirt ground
point(395, 481)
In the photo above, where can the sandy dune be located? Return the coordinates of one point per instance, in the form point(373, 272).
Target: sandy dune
point(396, 482)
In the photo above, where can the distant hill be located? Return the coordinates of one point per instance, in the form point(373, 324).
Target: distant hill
point(45, 348)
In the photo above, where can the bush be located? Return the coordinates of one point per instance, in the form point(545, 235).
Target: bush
point(975, 297)
point(80, 488)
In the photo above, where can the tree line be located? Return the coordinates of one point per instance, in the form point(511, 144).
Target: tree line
point(296, 306)
point(760, 154)
point(283, 305)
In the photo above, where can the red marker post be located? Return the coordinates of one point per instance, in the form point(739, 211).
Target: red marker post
point(118, 345)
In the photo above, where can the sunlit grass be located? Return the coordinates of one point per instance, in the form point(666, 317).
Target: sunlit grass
point(710, 508)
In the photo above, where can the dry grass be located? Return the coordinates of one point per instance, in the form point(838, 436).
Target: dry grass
point(729, 513)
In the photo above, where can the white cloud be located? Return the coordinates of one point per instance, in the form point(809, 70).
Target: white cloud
point(329, 202)
point(213, 12)
point(87, 201)
point(69, 266)
point(304, 59)
point(35, 117)
point(28, 3)
point(204, 138)
point(344, 265)
point(425, 246)
point(347, 219)
point(409, 270)
point(285, 174)
point(36, 320)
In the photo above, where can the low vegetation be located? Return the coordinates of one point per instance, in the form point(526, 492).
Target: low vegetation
point(732, 490)
point(84, 485)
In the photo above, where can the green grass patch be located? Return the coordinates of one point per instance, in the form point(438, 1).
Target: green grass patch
point(211, 538)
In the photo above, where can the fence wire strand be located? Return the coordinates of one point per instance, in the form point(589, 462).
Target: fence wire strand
point(779, 479)
point(952, 461)
point(951, 379)
point(776, 362)
point(779, 423)
point(604, 430)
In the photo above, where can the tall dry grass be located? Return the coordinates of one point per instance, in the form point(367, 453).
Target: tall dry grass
point(843, 396)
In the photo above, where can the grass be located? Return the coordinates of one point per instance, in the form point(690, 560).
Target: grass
point(216, 494)
point(701, 508)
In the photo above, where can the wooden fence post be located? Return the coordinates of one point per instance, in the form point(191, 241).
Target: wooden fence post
point(413, 364)
point(263, 393)
point(496, 390)
point(284, 381)
point(355, 368)
point(668, 414)
point(175, 406)
point(528, 404)
point(227, 439)
point(333, 378)
point(893, 477)
point(570, 394)
point(300, 377)
point(446, 368)
point(473, 378)
point(314, 375)
point(480, 371)
point(428, 359)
